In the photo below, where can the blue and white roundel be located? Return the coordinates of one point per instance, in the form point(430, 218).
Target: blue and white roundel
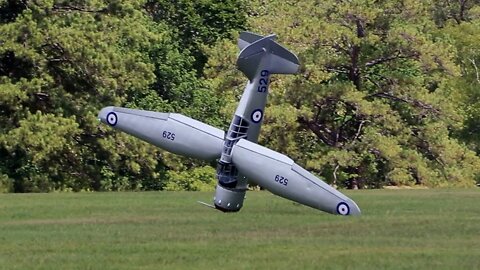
point(257, 116)
point(112, 119)
point(343, 209)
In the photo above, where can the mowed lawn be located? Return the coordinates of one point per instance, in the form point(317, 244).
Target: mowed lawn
point(398, 229)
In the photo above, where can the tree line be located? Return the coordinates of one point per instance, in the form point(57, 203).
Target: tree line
point(388, 92)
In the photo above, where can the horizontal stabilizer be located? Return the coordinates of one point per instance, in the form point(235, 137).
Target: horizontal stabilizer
point(281, 176)
point(173, 132)
point(264, 54)
point(247, 38)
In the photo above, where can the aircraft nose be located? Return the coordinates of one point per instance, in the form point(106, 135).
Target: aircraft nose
point(102, 115)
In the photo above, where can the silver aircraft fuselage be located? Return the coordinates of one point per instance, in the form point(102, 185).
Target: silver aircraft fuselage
point(238, 154)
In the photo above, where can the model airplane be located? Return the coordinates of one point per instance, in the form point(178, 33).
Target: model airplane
point(240, 157)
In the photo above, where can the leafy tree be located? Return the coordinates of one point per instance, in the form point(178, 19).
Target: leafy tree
point(371, 91)
point(199, 23)
point(458, 12)
point(463, 31)
point(60, 62)
point(196, 179)
point(9, 9)
point(387, 92)
point(58, 69)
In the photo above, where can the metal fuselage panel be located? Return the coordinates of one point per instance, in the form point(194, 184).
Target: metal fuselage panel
point(253, 102)
point(245, 124)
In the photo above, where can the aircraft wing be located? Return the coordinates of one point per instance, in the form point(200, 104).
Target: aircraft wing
point(281, 176)
point(173, 132)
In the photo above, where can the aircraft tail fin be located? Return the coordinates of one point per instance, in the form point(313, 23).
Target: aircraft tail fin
point(263, 53)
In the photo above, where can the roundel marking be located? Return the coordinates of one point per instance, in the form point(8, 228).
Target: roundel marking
point(112, 118)
point(257, 116)
point(343, 209)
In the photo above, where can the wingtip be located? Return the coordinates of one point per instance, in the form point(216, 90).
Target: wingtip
point(102, 115)
point(354, 209)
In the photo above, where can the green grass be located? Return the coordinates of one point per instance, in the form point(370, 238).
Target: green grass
point(399, 229)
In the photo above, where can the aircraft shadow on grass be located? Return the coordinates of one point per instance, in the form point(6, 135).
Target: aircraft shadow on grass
point(239, 156)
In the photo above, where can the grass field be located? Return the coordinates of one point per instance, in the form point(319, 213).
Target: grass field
point(399, 229)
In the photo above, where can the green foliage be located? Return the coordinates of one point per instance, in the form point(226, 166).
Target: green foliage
point(378, 98)
point(6, 184)
point(43, 149)
point(387, 93)
point(199, 23)
point(61, 61)
point(196, 179)
point(464, 90)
